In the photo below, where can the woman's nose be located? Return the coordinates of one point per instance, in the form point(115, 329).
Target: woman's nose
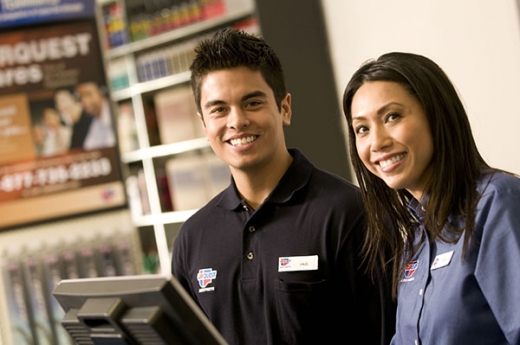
point(380, 139)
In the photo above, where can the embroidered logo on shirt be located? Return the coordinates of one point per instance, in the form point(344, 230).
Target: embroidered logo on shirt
point(205, 277)
point(409, 271)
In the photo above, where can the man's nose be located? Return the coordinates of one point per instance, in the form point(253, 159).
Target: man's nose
point(238, 118)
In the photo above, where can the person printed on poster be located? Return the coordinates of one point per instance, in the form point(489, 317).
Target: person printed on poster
point(73, 115)
point(100, 132)
point(56, 135)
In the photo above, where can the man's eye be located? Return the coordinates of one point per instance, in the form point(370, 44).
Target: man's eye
point(217, 110)
point(253, 104)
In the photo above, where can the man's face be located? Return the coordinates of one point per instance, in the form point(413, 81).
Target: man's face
point(91, 98)
point(242, 121)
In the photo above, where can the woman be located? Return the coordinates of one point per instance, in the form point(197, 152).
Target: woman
point(450, 222)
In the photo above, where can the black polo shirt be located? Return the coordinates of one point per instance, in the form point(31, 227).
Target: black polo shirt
point(286, 273)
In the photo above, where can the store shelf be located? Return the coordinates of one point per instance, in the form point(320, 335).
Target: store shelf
point(150, 76)
point(163, 218)
point(150, 86)
point(164, 150)
point(233, 15)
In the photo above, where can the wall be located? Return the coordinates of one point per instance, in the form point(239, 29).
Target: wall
point(300, 41)
point(477, 43)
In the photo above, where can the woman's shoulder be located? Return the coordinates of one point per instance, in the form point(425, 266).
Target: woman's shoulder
point(495, 182)
point(497, 207)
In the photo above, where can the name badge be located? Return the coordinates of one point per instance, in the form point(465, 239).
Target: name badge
point(297, 263)
point(442, 260)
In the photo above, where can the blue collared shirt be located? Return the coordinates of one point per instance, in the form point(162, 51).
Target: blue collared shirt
point(445, 299)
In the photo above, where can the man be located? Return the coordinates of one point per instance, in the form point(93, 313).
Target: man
point(101, 133)
point(73, 116)
point(274, 258)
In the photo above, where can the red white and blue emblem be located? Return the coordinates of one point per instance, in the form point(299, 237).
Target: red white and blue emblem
point(284, 262)
point(206, 276)
point(411, 268)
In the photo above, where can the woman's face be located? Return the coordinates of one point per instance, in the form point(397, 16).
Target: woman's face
point(393, 137)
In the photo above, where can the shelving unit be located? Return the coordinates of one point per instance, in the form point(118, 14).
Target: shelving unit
point(301, 43)
point(158, 224)
point(75, 244)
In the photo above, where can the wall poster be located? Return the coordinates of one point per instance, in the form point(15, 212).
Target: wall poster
point(58, 145)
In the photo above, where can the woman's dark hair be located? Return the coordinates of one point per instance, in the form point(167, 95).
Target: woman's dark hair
point(230, 48)
point(456, 162)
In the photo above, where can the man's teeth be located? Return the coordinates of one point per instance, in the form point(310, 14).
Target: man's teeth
point(242, 141)
point(392, 160)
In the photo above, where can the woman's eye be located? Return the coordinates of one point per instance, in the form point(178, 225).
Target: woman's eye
point(392, 116)
point(360, 129)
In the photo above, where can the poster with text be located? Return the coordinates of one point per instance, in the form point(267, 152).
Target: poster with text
point(58, 146)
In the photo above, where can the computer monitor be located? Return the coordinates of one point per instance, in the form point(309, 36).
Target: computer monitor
point(124, 310)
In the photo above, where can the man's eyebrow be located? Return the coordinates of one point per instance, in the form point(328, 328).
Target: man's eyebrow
point(247, 96)
point(253, 94)
point(212, 103)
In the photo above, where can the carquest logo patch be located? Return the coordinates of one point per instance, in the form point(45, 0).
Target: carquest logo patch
point(205, 277)
point(409, 271)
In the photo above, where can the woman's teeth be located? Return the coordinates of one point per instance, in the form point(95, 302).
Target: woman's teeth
point(392, 160)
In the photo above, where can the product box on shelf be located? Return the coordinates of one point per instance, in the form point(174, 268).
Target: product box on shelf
point(53, 273)
point(195, 179)
point(218, 173)
point(115, 24)
point(164, 61)
point(16, 295)
point(177, 115)
point(188, 184)
point(126, 128)
point(39, 299)
point(149, 18)
point(163, 188)
point(117, 73)
point(143, 192)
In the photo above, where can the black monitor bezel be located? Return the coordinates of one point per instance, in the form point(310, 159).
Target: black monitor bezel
point(139, 291)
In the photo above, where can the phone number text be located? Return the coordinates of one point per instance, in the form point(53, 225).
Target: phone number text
point(56, 175)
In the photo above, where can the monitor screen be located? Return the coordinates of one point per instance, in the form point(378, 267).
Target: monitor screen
point(142, 309)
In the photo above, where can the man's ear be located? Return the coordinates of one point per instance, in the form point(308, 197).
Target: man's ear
point(286, 110)
point(201, 118)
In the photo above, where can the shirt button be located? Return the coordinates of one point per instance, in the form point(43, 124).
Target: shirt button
point(252, 229)
point(245, 207)
point(420, 292)
point(250, 255)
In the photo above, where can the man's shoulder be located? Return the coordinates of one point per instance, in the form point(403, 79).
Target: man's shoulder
point(207, 214)
point(334, 192)
point(324, 175)
point(327, 178)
